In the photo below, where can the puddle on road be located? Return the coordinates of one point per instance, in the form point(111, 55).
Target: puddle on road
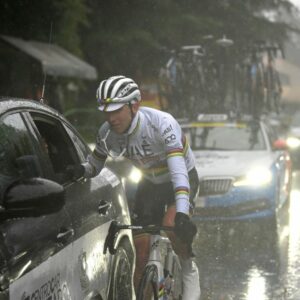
point(247, 262)
point(293, 254)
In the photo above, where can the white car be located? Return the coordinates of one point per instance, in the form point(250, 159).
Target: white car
point(245, 173)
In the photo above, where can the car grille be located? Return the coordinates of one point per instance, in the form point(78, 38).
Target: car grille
point(214, 186)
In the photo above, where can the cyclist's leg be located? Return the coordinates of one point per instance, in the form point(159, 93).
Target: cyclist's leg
point(148, 210)
point(142, 246)
point(190, 274)
point(190, 279)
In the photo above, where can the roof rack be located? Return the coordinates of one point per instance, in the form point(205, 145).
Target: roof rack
point(212, 117)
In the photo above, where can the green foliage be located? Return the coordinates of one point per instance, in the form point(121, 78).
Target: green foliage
point(126, 37)
point(72, 15)
point(31, 19)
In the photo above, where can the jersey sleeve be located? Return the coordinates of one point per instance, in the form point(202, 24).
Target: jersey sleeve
point(95, 161)
point(174, 145)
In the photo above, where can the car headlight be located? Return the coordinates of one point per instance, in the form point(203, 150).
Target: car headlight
point(293, 142)
point(255, 177)
point(135, 175)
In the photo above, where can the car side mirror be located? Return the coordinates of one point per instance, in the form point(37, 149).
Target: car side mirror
point(280, 144)
point(32, 198)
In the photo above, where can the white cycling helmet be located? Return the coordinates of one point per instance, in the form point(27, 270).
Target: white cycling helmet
point(117, 91)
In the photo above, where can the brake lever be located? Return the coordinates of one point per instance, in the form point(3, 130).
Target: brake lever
point(110, 238)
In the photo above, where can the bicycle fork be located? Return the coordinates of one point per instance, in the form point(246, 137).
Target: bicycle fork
point(165, 280)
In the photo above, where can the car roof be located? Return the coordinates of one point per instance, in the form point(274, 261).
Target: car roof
point(11, 103)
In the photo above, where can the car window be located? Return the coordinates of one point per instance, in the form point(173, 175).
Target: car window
point(82, 149)
point(57, 144)
point(223, 137)
point(86, 121)
point(17, 156)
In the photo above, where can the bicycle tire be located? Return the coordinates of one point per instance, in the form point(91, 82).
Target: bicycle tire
point(148, 287)
point(120, 287)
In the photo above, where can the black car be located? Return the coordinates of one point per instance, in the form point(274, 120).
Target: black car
point(53, 229)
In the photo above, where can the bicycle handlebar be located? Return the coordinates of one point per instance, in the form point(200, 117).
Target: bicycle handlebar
point(115, 227)
point(150, 228)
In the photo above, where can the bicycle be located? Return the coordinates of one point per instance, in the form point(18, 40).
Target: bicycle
point(272, 79)
point(259, 88)
point(195, 77)
point(172, 82)
point(161, 279)
point(249, 72)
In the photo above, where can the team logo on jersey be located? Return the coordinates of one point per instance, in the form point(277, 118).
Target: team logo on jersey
point(170, 138)
point(142, 151)
point(167, 130)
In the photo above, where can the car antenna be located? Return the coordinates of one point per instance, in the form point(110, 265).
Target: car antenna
point(45, 74)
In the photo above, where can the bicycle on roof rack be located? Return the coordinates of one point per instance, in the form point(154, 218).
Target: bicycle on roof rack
point(217, 73)
point(255, 76)
point(194, 78)
point(258, 87)
point(161, 279)
point(168, 79)
point(181, 80)
point(272, 79)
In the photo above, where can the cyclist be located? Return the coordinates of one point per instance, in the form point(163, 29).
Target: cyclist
point(155, 143)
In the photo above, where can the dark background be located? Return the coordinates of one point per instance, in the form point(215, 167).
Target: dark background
point(129, 36)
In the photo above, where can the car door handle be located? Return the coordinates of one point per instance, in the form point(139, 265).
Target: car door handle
point(103, 207)
point(65, 234)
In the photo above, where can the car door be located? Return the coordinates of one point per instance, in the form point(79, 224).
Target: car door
point(25, 242)
point(102, 203)
point(90, 203)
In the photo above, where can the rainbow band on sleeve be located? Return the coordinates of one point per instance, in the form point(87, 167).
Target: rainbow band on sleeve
point(179, 151)
point(175, 152)
point(181, 190)
point(157, 170)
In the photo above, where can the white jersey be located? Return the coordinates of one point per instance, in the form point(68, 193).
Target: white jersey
point(156, 145)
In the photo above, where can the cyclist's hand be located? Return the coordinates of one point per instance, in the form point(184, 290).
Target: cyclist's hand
point(75, 171)
point(185, 229)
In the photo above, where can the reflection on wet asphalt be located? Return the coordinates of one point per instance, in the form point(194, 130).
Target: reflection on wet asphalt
point(249, 261)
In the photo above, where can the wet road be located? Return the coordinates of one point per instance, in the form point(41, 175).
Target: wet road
point(248, 261)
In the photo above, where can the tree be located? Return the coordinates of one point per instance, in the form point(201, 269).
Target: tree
point(31, 19)
point(128, 36)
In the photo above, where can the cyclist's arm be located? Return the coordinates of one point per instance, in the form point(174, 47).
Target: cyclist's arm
point(171, 136)
point(95, 161)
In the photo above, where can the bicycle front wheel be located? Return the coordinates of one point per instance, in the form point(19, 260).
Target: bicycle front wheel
point(148, 287)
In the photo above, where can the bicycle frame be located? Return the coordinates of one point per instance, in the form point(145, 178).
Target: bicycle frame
point(165, 270)
point(162, 256)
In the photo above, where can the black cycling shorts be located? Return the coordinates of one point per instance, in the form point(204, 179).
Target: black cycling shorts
point(152, 199)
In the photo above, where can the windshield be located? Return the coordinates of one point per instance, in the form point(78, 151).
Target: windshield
point(228, 137)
